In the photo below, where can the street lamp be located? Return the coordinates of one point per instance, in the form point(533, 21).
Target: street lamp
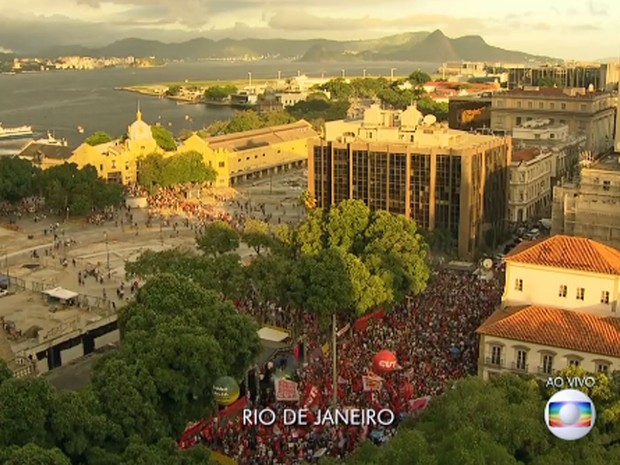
point(107, 250)
point(392, 73)
point(249, 79)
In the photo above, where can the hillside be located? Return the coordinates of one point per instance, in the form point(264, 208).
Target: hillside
point(413, 46)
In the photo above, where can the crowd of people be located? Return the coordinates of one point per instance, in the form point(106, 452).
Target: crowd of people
point(433, 337)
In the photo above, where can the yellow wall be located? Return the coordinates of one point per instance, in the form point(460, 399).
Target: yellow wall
point(269, 155)
point(217, 159)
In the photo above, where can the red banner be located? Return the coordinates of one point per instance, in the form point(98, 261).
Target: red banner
point(234, 408)
point(286, 390)
point(362, 323)
point(372, 383)
point(419, 404)
point(312, 395)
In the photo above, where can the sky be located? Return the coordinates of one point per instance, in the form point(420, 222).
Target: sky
point(568, 29)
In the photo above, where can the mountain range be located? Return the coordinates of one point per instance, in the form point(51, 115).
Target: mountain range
point(413, 46)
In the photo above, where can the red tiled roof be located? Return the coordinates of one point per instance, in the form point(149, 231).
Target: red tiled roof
point(554, 327)
point(525, 154)
point(573, 253)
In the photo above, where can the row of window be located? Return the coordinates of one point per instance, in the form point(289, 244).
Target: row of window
point(563, 292)
point(547, 361)
point(543, 105)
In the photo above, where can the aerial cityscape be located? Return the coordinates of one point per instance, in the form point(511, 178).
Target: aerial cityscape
point(291, 233)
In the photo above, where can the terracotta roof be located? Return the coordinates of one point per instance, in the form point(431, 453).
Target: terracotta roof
point(573, 253)
point(554, 327)
point(525, 154)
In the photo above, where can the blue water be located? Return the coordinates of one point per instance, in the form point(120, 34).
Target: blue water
point(59, 101)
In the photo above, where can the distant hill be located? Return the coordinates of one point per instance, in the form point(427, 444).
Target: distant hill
point(412, 46)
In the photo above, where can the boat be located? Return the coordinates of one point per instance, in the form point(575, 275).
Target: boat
point(21, 132)
point(51, 140)
point(80, 129)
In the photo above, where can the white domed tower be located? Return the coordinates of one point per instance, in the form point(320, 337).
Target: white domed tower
point(139, 136)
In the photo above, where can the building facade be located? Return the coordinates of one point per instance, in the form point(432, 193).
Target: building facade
point(588, 207)
point(590, 114)
point(559, 308)
point(529, 193)
point(251, 154)
point(602, 76)
point(396, 161)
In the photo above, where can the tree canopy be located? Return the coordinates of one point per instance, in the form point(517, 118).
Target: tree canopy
point(155, 170)
point(164, 138)
point(219, 93)
point(247, 120)
point(499, 422)
point(97, 138)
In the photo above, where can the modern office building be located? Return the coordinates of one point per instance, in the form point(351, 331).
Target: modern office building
point(588, 113)
point(602, 76)
point(559, 309)
point(397, 161)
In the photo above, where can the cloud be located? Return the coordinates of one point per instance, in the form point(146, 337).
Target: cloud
point(584, 27)
point(295, 21)
point(597, 10)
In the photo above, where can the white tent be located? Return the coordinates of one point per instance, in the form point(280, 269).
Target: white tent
point(60, 293)
point(270, 333)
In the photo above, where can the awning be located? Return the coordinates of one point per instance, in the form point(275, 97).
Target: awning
point(270, 333)
point(60, 293)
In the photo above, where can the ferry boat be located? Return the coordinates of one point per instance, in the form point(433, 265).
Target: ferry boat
point(51, 140)
point(21, 132)
point(80, 130)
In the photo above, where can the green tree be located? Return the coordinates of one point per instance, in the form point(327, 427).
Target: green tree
point(244, 121)
point(164, 138)
point(173, 90)
point(320, 109)
point(151, 171)
point(548, 82)
point(256, 235)
point(428, 106)
point(5, 372)
point(418, 78)
point(188, 167)
point(32, 454)
point(218, 237)
point(219, 93)
point(17, 178)
point(339, 89)
point(97, 138)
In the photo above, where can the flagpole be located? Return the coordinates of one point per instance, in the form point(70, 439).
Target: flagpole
point(334, 365)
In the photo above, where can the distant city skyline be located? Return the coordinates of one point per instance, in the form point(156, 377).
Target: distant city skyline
point(568, 29)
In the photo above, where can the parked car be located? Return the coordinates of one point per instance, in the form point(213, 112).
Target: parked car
point(3, 292)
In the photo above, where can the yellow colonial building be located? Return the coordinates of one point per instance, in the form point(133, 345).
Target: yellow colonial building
point(252, 154)
point(559, 309)
point(117, 161)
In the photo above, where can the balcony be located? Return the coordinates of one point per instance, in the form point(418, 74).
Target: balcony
point(493, 362)
point(519, 367)
point(546, 371)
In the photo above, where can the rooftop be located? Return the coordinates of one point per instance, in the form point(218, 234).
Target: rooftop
point(525, 154)
point(567, 252)
point(36, 149)
point(262, 137)
point(606, 163)
point(546, 92)
point(554, 327)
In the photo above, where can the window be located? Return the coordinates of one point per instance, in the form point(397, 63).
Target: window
point(606, 185)
point(580, 293)
point(126, 165)
point(605, 297)
point(518, 120)
point(552, 106)
point(602, 367)
point(369, 135)
point(563, 291)
point(574, 362)
point(562, 121)
point(582, 107)
point(519, 104)
point(518, 285)
point(496, 355)
point(563, 106)
point(220, 164)
point(521, 360)
point(113, 164)
point(547, 364)
point(247, 158)
point(100, 167)
point(541, 105)
point(529, 104)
